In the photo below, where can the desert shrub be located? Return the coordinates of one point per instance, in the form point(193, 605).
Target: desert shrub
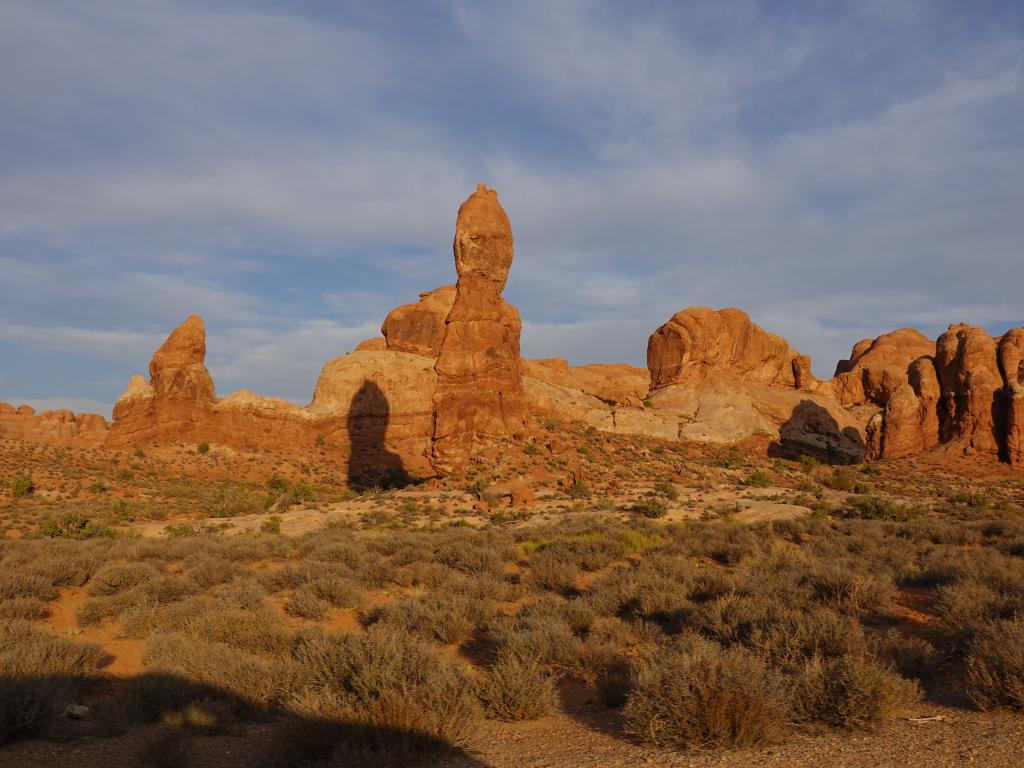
point(518, 689)
point(667, 489)
point(840, 588)
point(474, 556)
point(39, 675)
point(696, 694)
point(758, 479)
point(27, 608)
point(541, 638)
point(117, 577)
point(968, 607)
point(20, 583)
point(591, 552)
point(840, 480)
point(797, 635)
point(445, 618)
point(257, 680)
point(305, 604)
point(875, 508)
point(21, 486)
point(579, 490)
point(995, 666)
point(386, 680)
point(650, 506)
point(339, 591)
point(203, 447)
point(910, 656)
point(851, 692)
point(808, 463)
point(548, 572)
point(271, 525)
point(73, 525)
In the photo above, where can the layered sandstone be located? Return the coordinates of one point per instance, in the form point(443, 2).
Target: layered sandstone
point(876, 367)
point(479, 391)
point(700, 340)
point(419, 328)
point(57, 427)
point(722, 378)
point(959, 392)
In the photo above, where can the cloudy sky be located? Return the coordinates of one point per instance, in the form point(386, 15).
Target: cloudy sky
point(291, 171)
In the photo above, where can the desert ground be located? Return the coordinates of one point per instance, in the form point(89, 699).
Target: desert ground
point(580, 598)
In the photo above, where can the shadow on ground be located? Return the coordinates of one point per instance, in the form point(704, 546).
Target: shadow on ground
point(166, 720)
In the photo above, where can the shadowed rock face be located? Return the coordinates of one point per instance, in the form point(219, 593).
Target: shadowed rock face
point(479, 391)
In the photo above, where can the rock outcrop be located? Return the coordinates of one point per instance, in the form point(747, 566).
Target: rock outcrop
point(968, 372)
point(876, 367)
point(419, 328)
point(700, 340)
point(59, 427)
point(960, 392)
point(479, 392)
point(718, 377)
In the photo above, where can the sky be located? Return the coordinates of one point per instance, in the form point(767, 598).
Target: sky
point(292, 170)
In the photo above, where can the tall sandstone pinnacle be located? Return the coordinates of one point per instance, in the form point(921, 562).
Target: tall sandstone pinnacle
point(178, 368)
point(479, 393)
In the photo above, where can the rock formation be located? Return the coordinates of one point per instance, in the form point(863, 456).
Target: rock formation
point(1011, 364)
point(959, 392)
point(878, 366)
point(419, 328)
point(446, 377)
point(479, 391)
point(718, 377)
point(59, 427)
point(698, 340)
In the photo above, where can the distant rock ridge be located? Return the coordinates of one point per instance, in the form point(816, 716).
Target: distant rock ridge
point(446, 379)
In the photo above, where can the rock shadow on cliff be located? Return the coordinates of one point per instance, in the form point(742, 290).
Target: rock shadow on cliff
point(811, 430)
point(370, 463)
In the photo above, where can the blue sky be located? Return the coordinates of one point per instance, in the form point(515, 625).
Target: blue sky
point(291, 171)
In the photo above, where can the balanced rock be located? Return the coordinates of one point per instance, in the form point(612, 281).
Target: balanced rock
point(479, 391)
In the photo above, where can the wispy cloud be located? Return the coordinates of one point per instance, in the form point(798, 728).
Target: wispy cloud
point(292, 173)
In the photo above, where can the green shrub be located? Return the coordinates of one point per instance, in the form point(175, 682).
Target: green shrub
point(203, 447)
point(21, 486)
point(875, 508)
point(808, 463)
point(73, 525)
point(579, 490)
point(271, 525)
point(650, 506)
point(667, 489)
point(758, 479)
